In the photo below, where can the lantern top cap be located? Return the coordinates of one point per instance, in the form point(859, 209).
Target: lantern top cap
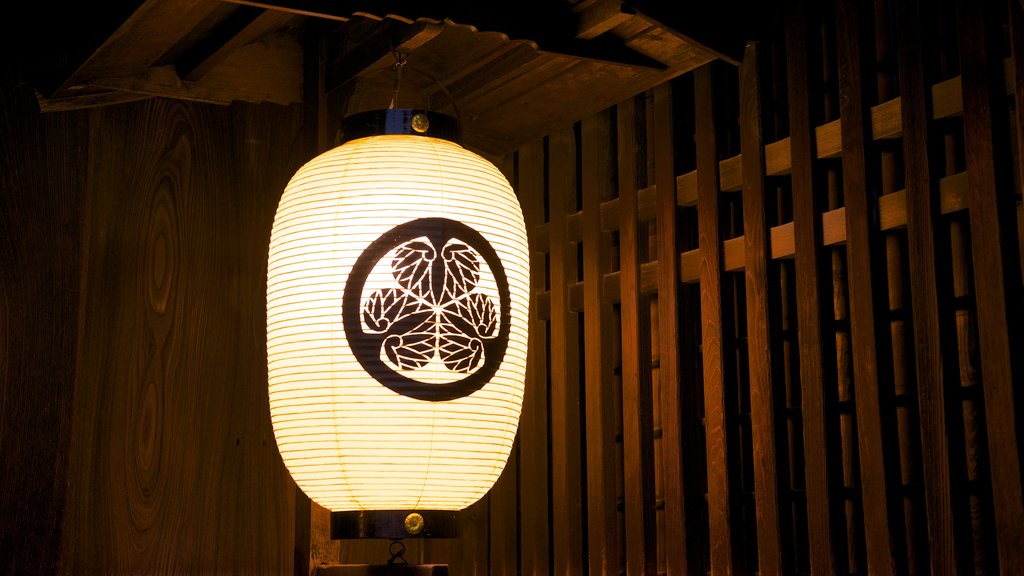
point(408, 121)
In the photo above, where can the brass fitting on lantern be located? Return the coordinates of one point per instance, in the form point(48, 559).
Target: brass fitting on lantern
point(393, 524)
point(414, 523)
point(420, 122)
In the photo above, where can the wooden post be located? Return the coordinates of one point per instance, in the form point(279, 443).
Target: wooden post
point(566, 488)
point(534, 499)
point(931, 293)
point(637, 414)
point(996, 269)
point(760, 294)
point(723, 540)
point(872, 348)
point(602, 518)
point(679, 554)
point(811, 283)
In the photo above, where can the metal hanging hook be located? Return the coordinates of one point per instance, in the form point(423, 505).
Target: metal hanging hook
point(401, 59)
point(397, 551)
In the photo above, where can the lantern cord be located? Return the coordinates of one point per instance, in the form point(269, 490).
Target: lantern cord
point(401, 59)
point(397, 551)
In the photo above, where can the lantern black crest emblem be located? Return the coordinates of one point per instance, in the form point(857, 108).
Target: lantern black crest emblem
point(434, 324)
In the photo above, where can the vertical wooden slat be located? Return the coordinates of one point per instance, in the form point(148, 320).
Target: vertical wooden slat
point(602, 519)
point(679, 551)
point(566, 489)
point(760, 330)
point(996, 270)
point(930, 284)
point(637, 416)
point(534, 500)
point(811, 268)
point(871, 339)
point(723, 541)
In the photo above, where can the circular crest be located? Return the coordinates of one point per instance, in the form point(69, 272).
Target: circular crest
point(427, 310)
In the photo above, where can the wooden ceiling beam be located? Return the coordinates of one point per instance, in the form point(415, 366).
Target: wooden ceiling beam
point(596, 18)
point(518, 21)
point(152, 30)
point(376, 51)
point(244, 25)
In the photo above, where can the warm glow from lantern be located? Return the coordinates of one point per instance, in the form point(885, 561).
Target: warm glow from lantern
point(404, 256)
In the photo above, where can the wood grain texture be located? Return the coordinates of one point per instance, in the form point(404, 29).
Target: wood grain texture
point(722, 529)
point(600, 422)
point(682, 554)
point(534, 456)
point(931, 293)
point(996, 269)
point(811, 264)
point(637, 413)
point(43, 168)
point(566, 459)
point(761, 324)
point(173, 444)
point(869, 333)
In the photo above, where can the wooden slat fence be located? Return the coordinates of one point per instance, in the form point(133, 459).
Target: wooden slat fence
point(776, 311)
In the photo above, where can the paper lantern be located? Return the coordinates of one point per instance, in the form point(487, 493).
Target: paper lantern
point(397, 297)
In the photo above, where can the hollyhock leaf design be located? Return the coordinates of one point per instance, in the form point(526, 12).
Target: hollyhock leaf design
point(409, 351)
point(461, 270)
point(412, 266)
point(482, 315)
point(459, 352)
point(384, 308)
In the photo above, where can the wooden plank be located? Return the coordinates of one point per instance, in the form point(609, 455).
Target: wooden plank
point(246, 25)
point(869, 331)
point(682, 553)
point(277, 55)
point(996, 269)
point(44, 163)
point(503, 537)
point(153, 29)
point(730, 174)
point(637, 415)
point(723, 532)
point(828, 140)
point(777, 160)
point(602, 519)
point(566, 480)
point(534, 499)
point(811, 276)
point(686, 185)
point(596, 18)
point(733, 254)
point(151, 432)
point(760, 297)
point(930, 288)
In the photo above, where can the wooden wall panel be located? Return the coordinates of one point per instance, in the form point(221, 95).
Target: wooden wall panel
point(43, 168)
point(174, 465)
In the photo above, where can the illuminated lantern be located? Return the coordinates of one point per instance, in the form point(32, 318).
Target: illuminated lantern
point(397, 297)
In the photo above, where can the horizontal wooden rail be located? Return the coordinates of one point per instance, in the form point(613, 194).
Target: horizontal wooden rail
point(892, 215)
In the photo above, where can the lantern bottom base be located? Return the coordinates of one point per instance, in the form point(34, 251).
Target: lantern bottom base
point(382, 570)
point(393, 524)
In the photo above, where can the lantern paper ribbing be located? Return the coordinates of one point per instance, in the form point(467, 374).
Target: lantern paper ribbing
point(397, 298)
